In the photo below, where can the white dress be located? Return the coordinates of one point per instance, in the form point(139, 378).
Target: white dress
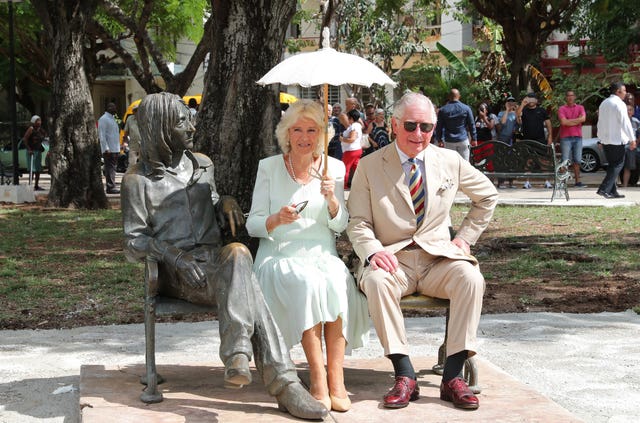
point(303, 280)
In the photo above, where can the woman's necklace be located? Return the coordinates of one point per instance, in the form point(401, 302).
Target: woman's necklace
point(293, 171)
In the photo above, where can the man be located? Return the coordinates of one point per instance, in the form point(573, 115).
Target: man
point(109, 135)
point(534, 120)
point(615, 132)
point(351, 104)
point(132, 134)
point(507, 121)
point(402, 238)
point(172, 212)
point(571, 117)
point(456, 125)
point(506, 126)
point(535, 125)
point(335, 149)
point(369, 115)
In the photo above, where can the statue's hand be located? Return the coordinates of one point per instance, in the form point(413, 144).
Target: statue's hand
point(232, 213)
point(188, 270)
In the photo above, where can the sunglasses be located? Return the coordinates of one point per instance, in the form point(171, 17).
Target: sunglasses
point(411, 126)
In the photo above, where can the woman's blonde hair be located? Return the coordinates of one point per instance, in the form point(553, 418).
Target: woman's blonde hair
point(302, 109)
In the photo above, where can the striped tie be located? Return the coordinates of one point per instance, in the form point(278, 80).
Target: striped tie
point(417, 190)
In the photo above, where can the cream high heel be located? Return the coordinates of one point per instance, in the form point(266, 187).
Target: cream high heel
point(326, 401)
point(340, 404)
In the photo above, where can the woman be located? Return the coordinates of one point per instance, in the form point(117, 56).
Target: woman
point(306, 285)
point(378, 131)
point(351, 147)
point(33, 139)
point(485, 124)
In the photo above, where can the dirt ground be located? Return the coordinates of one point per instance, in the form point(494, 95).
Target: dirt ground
point(593, 293)
point(547, 293)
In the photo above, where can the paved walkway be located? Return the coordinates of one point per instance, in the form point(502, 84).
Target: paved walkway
point(537, 196)
point(534, 367)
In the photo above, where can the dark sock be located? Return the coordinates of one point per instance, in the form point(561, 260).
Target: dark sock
point(453, 365)
point(402, 365)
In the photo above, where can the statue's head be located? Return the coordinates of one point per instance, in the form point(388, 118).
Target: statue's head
point(166, 131)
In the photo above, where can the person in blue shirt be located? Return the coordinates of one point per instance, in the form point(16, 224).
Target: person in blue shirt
point(456, 129)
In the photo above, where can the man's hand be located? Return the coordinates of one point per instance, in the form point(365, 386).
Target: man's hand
point(462, 244)
point(188, 270)
point(384, 260)
point(232, 213)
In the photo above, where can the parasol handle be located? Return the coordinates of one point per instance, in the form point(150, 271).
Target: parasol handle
point(326, 129)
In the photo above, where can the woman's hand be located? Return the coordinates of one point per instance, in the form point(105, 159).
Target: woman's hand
point(286, 215)
point(327, 189)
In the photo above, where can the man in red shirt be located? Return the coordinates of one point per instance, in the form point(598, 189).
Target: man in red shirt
point(571, 117)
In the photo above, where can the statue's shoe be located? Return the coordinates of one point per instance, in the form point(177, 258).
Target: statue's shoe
point(236, 372)
point(298, 402)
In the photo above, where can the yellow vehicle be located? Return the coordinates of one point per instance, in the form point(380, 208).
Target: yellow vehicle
point(284, 98)
point(135, 103)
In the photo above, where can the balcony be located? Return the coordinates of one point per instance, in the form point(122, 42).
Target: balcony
point(569, 56)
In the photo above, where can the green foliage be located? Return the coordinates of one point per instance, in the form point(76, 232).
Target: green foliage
point(590, 88)
point(31, 54)
point(456, 64)
point(611, 26)
point(169, 21)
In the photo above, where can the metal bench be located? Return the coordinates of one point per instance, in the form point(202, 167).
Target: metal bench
point(157, 305)
point(524, 159)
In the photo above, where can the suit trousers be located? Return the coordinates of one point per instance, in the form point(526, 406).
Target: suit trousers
point(246, 324)
point(110, 164)
point(615, 158)
point(460, 281)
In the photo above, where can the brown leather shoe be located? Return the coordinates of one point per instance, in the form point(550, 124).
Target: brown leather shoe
point(457, 391)
point(404, 390)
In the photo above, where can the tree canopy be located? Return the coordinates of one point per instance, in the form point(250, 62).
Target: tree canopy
point(526, 26)
point(611, 26)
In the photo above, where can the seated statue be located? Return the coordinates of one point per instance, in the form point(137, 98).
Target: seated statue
point(173, 214)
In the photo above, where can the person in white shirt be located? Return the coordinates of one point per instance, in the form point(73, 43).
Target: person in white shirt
point(615, 132)
point(109, 134)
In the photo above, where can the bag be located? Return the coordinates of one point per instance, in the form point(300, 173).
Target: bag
point(364, 141)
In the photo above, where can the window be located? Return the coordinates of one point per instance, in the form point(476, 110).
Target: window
point(315, 93)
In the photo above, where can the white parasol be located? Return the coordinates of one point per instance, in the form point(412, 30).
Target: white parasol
point(326, 67)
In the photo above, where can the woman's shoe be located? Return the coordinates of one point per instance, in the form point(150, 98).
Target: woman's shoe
point(340, 404)
point(326, 401)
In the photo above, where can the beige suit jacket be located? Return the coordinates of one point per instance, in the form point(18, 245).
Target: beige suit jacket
point(381, 210)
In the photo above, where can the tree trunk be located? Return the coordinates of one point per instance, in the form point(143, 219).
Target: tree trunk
point(76, 175)
point(237, 119)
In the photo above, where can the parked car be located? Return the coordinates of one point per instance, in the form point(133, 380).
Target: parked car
point(6, 155)
point(592, 155)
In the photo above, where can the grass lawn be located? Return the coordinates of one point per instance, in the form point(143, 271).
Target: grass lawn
point(65, 268)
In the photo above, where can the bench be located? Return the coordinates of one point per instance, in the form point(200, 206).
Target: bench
point(157, 305)
point(524, 159)
point(6, 174)
point(419, 302)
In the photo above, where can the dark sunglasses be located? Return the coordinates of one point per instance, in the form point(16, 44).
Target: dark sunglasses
point(411, 126)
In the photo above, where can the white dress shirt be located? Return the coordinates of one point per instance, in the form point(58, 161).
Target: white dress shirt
point(109, 133)
point(614, 125)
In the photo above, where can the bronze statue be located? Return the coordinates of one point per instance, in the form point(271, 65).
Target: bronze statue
point(173, 213)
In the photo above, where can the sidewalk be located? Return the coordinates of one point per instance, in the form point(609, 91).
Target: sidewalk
point(587, 364)
point(537, 196)
point(540, 196)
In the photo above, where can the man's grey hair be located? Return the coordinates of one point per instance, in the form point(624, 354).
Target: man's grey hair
point(410, 99)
